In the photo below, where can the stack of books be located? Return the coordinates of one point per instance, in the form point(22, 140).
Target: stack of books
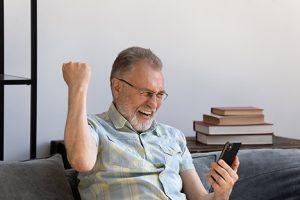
point(235, 124)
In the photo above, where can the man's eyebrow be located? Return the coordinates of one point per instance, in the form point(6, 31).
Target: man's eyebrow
point(148, 90)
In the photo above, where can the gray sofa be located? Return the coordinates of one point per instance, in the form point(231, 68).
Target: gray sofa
point(263, 175)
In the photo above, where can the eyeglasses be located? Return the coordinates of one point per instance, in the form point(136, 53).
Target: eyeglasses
point(160, 96)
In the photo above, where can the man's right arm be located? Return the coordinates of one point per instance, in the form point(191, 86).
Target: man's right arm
point(80, 145)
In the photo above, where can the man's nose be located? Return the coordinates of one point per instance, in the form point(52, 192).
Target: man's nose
point(153, 101)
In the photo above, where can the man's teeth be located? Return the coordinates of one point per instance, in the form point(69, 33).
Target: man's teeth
point(146, 112)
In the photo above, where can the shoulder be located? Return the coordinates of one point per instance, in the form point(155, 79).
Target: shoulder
point(171, 132)
point(95, 120)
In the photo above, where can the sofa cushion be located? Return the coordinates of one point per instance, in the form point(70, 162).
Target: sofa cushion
point(202, 163)
point(268, 174)
point(34, 180)
point(73, 180)
point(264, 174)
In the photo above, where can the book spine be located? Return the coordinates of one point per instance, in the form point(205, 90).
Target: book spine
point(233, 120)
point(233, 129)
point(261, 139)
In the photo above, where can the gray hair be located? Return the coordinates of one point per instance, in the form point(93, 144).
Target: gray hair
point(126, 58)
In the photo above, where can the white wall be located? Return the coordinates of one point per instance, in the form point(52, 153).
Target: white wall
point(215, 53)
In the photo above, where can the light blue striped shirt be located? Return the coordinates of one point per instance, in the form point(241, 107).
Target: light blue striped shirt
point(135, 166)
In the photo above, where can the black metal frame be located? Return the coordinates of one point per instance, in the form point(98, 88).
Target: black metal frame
point(1, 85)
point(14, 80)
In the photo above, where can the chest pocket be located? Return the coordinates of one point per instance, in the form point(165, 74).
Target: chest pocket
point(171, 149)
point(172, 156)
point(121, 153)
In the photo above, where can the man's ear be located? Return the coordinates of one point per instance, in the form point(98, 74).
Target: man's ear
point(115, 87)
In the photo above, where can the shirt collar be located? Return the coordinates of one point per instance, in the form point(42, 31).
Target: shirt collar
point(119, 121)
point(156, 128)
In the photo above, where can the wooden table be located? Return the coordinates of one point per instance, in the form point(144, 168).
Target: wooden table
point(278, 143)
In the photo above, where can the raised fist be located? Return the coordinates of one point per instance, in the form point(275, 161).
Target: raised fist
point(76, 74)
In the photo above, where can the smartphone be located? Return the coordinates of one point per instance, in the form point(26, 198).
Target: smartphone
point(229, 152)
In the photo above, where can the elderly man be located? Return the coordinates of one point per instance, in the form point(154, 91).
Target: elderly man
point(124, 153)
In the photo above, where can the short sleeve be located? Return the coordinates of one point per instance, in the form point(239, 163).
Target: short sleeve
point(187, 160)
point(93, 126)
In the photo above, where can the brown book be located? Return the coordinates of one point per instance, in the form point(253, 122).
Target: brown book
point(202, 127)
point(266, 138)
point(242, 110)
point(233, 119)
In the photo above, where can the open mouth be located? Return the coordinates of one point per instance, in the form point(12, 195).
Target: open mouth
point(146, 114)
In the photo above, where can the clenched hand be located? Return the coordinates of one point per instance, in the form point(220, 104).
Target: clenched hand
point(76, 75)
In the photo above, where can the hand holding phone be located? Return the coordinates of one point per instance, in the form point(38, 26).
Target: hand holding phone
point(229, 152)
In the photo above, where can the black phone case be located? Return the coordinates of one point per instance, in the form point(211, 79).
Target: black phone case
point(229, 152)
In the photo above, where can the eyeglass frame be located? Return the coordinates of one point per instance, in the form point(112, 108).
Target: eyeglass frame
point(146, 92)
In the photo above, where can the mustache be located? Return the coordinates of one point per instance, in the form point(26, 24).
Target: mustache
point(147, 108)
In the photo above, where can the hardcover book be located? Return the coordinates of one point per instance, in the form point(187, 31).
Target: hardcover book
point(203, 127)
point(266, 138)
point(241, 110)
point(233, 119)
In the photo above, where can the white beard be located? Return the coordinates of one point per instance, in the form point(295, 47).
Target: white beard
point(133, 120)
point(138, 126)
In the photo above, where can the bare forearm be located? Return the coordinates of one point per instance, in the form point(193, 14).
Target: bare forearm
point(197, 195)
point(194, 189)
point(81, 146)
point(213, 196)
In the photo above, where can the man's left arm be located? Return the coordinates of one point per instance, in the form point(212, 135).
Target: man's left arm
point(192, 185)
point(224, 178)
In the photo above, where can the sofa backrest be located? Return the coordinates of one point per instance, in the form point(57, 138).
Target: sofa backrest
point(264, 174)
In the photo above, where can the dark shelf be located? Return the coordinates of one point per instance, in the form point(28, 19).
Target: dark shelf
point(6, 79)
point(16, 80)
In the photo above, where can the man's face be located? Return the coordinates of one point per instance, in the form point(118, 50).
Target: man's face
point(138, 107)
